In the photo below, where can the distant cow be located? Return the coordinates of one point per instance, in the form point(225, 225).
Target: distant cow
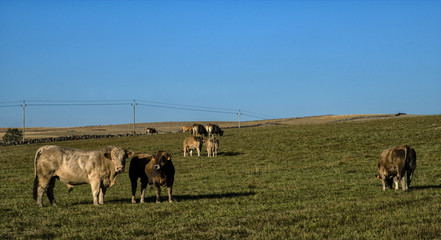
point(74, 167)
point(212, 145)
point(161, 172)
point(192, 143)
point(394, 163)
point(150, 131)
point(198, 129)
point(213, 129)
point(186, 128)
point(137, 170)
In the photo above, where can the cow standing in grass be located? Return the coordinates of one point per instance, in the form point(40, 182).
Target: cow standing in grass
point(161, 172)
point(213, 129)
point(74, 167)
point(137, 171)
point(192, 143)
point(212, 145)
point(394, 163)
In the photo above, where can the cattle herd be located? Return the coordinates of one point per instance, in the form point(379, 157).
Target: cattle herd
point(100, 168)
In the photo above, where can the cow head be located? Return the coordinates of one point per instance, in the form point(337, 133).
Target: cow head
point(118, 157)
point(161, 159)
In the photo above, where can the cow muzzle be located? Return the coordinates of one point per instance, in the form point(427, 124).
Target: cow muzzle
point(156, 167)
point(119, 169)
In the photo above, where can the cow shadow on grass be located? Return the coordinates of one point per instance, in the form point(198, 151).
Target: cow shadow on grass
point(229, 154)
point(177, 198)
point(425, 187)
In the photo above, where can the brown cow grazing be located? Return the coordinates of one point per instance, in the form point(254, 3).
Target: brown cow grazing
point(212, 146)
point(192, 143)
point(213, 129)
point(161, 172)
point(187, 128)
point(74, 167)
point(137, 170)
point(198, 129)
point(394, 163)
point(150, 131)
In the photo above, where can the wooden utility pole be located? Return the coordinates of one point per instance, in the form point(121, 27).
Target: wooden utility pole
point(239, 117)
point(134, 104)
point(24, 122)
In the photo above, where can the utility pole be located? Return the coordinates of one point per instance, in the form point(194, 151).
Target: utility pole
point(24, 122)
point(134, 104)
point(239, 117)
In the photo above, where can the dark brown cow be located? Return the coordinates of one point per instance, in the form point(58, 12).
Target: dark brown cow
point(161, 172)
point(151, 131)
point(74, 167)
point(137, 170)
point(394, 163)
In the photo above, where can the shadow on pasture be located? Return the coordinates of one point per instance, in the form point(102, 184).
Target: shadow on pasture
point(164, 198)
point(425, 187)
point(229, 154)
point(212, 196)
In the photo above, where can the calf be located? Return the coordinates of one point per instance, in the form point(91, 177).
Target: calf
point(192, 143)
point(161, 172)
point(212, 145)
point(394, 163)
point(137, 170)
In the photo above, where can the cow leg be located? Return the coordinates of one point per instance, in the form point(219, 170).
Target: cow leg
point(199, 152)
point(95, 185)
point(191, 153)
point(396, 182)
point(169, 190)
point(101, 196)
point(143, 187)
point(409, 177)
point(403, 183)
point(134, 183)
point(158, 193)
point(383, 181)
point(50, 191)
point(43, 184)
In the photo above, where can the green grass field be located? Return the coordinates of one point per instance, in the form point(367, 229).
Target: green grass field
point(281, 182)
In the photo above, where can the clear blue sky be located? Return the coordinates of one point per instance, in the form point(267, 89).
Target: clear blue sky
point(270, 58)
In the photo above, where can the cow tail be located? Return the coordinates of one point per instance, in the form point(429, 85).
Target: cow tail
point(35, 191)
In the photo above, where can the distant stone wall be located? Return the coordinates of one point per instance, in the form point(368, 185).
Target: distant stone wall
point(67, 138)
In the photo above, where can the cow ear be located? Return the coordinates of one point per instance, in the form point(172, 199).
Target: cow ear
point(169, 158)
point(130, 153)
point(108, 155)
point(153, 159)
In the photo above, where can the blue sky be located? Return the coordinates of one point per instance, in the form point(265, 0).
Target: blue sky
point(271, 59)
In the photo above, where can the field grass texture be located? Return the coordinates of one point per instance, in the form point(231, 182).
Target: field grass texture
point(314, 181)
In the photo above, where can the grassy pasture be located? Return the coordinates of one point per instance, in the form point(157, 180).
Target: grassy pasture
point(310, 181)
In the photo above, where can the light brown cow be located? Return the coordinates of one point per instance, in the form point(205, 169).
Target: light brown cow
point(212, 145)
point(98, 168)
point(192, 143)
point(186, 128)
point(394, 163)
